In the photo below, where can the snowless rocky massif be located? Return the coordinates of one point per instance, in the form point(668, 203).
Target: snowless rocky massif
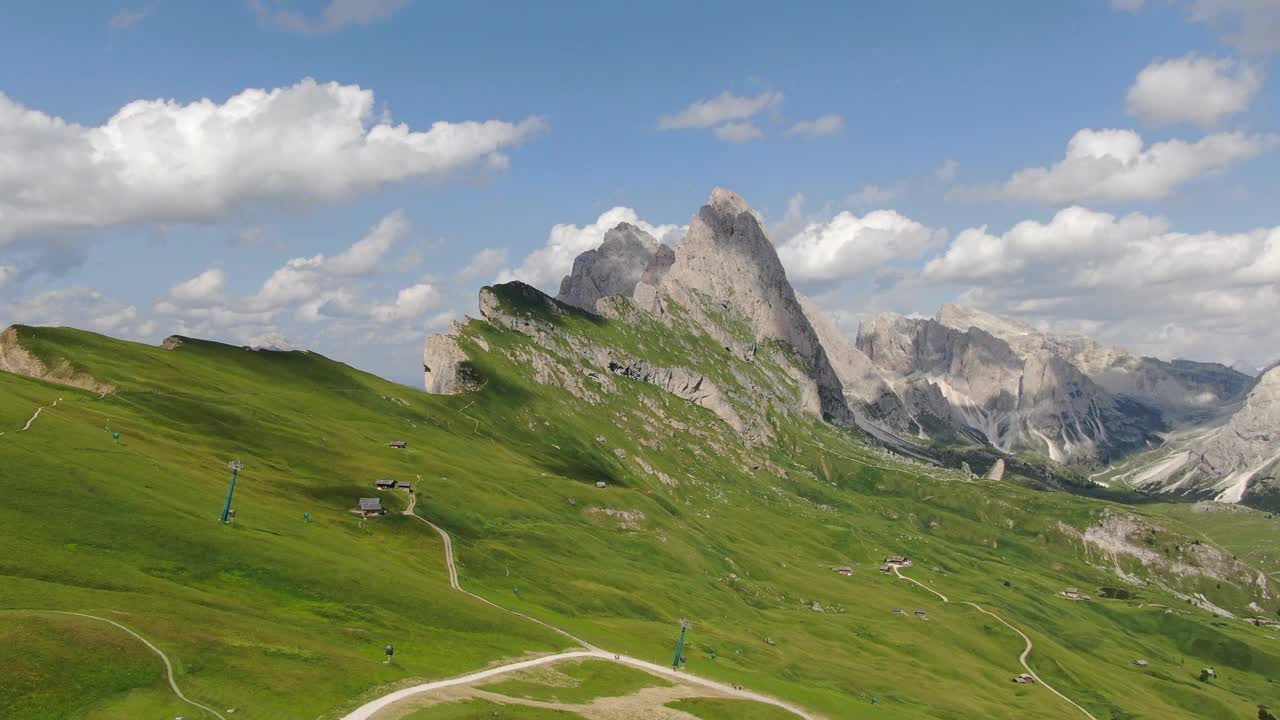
point(962, 377)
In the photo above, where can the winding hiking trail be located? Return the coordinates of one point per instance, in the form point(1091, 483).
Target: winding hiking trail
point(168, 667)
point(453, 574)
point(369, 709)
point(1026, 652)
point(37, 414)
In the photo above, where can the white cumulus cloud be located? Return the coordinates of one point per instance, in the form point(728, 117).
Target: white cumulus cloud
point(722, 108)
point(484, 264)
point(408, 304)
point(1114, 165)
point(163, 161)
point(544, 267)
point(819, 126)
point(304, 278)
point(847, 245)
point(1250, 25)
point(726, 114)
point(367, 252)
point(79, 307)
point(738, 132)
point(1194, 88)
point(1132, 278)
point(203, 289)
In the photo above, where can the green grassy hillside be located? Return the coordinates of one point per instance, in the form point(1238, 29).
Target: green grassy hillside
point(280, 618)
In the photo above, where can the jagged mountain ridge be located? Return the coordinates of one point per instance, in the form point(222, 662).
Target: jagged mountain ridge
point(1237, 461)
point(965, 376)
point(1183, 390)
point(1012, 398)
point(725, 276)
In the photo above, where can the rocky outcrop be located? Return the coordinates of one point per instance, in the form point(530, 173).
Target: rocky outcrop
point(18, 360)
point(727, 276)
point(683, 383)
point(996, 472)
point(615, 268)
point(446, 369)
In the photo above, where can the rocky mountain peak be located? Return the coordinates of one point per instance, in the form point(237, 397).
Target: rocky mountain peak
point(727, 202)
point(727, 263)
point(962, 317)
point(1270, 374)
point(615, 268)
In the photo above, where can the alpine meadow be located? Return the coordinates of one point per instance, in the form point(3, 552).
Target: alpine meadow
point(834, 361)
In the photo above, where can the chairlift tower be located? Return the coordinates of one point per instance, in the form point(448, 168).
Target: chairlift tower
point(685, 626)
point(236, 467)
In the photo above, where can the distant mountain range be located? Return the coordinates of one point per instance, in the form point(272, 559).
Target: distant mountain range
point(962, 378)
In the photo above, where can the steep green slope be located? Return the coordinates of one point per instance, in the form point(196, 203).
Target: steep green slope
point(281, 618)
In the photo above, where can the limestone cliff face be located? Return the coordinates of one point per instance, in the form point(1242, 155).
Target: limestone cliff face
point(446, 369)
point(864, 384)
point(18, 360)
point(1181, 390)
point(1238, 461)
point(615, 268)
point(1245, 455)
point(646, 293)
point(1013, 396)
point(726, 266)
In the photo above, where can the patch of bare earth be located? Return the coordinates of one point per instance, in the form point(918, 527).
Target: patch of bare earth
point(647, 704)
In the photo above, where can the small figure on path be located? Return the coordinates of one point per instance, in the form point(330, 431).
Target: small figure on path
point(390, 651)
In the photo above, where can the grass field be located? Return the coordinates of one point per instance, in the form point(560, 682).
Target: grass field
point(282, 618)
point(1253, 535)
point(719, 709)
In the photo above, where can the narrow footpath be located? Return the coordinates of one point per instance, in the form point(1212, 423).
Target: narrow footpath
point(369, 709)
point(1026, 652)
point(168, 666)
point(37, 414)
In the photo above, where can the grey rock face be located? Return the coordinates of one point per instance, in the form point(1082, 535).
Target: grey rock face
point(863, 383)
point(646, 294)
point(614, 268)
point(446, 369)
point(726, 263)
point(1181, 389)
point(1236, 462)
point(996, 472)
point(683, 383)
point(1013, 397)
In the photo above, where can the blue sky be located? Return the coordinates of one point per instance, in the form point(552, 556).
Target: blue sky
point(875, 140)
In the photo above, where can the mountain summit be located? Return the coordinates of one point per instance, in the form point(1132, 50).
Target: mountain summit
point(715, 321)
point(725, 275)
